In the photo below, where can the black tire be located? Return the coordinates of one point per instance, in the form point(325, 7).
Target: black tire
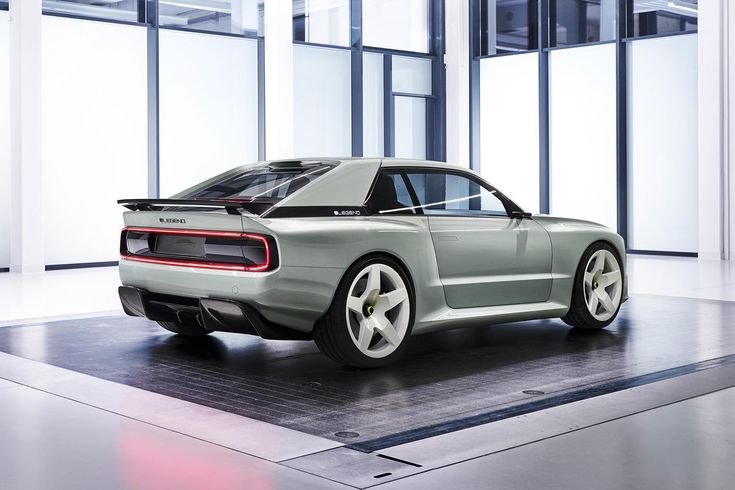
point(185, 330)
point(331, 332)
point(579, 315)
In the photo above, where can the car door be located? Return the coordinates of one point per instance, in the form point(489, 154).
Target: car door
point(485, 257)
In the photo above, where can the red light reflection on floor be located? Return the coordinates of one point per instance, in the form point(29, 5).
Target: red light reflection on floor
point(152, 462)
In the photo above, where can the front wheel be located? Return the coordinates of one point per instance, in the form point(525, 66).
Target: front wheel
point(597, 290)
point(371, 316)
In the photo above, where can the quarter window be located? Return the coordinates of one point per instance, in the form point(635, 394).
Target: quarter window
point(391, 195)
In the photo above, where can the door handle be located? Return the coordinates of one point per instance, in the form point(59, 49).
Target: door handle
point(448, 238)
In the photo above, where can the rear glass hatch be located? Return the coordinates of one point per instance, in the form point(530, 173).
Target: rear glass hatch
point(259, 188)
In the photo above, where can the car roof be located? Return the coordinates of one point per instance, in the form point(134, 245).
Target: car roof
point(385, 162)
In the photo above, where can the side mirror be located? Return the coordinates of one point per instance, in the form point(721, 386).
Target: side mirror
point(517, 214)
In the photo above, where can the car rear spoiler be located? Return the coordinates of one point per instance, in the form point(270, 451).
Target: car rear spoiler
point(231, 206)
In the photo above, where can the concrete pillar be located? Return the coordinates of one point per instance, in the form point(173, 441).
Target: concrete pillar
point(278, 29)
point(458, 81)
point(26, 207)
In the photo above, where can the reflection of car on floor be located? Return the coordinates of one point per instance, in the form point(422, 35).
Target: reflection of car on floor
point(359, 254)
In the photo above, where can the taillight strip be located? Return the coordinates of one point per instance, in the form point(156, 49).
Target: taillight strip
point(176, 231)
point(201, 264)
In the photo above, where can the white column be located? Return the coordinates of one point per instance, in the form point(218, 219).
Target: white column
point(278, 30)
point(716, 53)
point(26, 208)
point(457, 59)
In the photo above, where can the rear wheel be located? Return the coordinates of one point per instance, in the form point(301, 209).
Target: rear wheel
point(598, 289)
point(371, 316)
point(185, 330)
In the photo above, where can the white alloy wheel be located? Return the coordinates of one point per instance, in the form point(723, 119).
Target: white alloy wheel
point(378, 310)
point(603, 285)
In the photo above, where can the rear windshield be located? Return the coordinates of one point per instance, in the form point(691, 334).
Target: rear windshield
point(263, 183)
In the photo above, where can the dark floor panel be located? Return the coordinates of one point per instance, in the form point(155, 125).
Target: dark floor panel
point(444, 376)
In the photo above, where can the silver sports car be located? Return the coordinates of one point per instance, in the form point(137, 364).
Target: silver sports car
point(358, 255)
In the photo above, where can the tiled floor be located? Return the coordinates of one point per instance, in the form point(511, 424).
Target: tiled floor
point(452, 378)
point(63, 429)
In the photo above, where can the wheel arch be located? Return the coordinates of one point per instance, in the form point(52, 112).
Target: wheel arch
point(616, 250)
point(378, 254)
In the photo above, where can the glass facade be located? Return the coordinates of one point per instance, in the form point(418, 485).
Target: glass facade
point(581, 21)
point(507, 26)
point(322, 101)
point(124, 10)
point(208, 106)
point(373, 105)
point(396, 24)
point(322, 21)
point(411, 75)
point(556, 114)
point(230, 16)
point(410, 127)
point(650, 18)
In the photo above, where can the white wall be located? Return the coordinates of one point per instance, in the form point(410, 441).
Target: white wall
point(662, 144)
point(322, 107)
point(208, 106)
point(509, 115)
point(583, 179)
point(4, 142)
point(94, 134)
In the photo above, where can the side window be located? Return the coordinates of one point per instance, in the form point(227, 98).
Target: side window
point(453, 194)
point(390, 195)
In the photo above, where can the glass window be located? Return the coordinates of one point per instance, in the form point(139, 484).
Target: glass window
point(391, 195)
point(446, 193)
point(125, 10)
point(396, 24)
point(662, 127)
point(322, 21)
point(231, 16)
point(507, 26)
point(3, 5)
point(509, 126)
point(411, 75)
point(322, 101)
point(373, 107)
point(198, 123)
point(262, 182)
point(410, 127)
point(581, 21)
point(650, 18)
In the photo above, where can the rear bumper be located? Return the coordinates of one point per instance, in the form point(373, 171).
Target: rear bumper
point(295, 297)
point(215, 315)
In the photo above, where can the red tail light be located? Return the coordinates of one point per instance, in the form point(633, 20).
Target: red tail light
point(219, 250)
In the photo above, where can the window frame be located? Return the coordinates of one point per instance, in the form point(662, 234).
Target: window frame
point(511, 208)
